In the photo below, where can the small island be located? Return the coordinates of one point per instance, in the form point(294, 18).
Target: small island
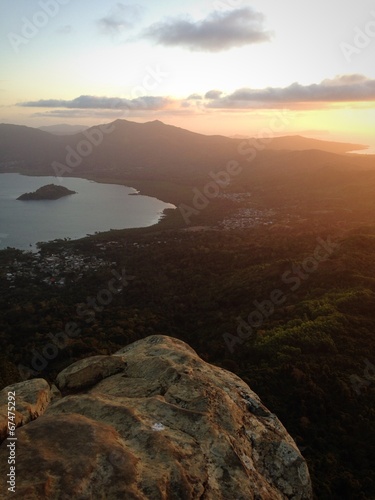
point(48, 192)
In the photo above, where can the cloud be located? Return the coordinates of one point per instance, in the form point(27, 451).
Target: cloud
point(79, 113)
point(213, 94)
point(343, 88)
point(218, 32)
point(150, 103)
point(120, 18)
point(196, 97)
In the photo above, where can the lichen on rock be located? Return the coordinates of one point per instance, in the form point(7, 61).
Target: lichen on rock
point(154, 421)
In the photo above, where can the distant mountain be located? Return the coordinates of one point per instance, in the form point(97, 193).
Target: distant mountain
point(150, 150)
point(27, 148)
point(64, 129)
point(154, 151)
point(299, 143)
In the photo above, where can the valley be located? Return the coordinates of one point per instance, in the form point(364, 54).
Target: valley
point(244, 281)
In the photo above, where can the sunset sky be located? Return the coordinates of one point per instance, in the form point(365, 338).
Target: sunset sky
point(218, 66)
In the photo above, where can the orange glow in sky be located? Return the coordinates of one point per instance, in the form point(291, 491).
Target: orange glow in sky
point(218, 67)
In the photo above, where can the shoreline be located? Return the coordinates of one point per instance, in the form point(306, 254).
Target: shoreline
point(166, 220)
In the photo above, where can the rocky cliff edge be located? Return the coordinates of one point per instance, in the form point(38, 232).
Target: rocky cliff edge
point(153, 421)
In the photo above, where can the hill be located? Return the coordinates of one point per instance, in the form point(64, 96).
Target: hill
point(299, 143)
point(212, 280)
point(152, 151)
point(27, 149)
point(48, 192)
point(63, 129)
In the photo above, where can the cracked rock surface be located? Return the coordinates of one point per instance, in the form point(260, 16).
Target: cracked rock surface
point(153, 421)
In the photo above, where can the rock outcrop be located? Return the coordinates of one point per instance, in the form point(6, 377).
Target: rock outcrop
point(33, 398)
point(153, 421)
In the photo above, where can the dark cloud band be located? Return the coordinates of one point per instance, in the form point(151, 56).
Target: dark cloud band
point(345, 88)
point(218, 32)
point(93, 102)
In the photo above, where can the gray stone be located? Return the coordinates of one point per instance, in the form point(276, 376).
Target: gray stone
point(88, 372)
point(154, 421)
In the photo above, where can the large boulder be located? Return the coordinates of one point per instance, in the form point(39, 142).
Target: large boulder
point(32, 399)
point(165, 426)
point(88, 372)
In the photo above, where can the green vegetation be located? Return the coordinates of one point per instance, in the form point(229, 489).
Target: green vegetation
point(193, 285)
point(311, 355)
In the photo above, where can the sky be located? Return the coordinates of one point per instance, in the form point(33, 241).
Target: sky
point(230, 67)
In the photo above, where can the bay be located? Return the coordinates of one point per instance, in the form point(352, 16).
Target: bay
point(94, 207)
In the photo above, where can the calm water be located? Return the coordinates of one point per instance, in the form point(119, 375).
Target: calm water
point(95, 207)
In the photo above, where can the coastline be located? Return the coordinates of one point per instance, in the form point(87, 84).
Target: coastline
point(167, 218)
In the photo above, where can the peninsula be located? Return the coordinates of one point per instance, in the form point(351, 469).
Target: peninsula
point(48, 192)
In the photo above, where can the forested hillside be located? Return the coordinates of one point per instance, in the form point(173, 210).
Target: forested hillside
point(269, 274)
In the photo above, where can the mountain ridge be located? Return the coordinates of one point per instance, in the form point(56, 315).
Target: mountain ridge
point(63, 129)
point(169, 162)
